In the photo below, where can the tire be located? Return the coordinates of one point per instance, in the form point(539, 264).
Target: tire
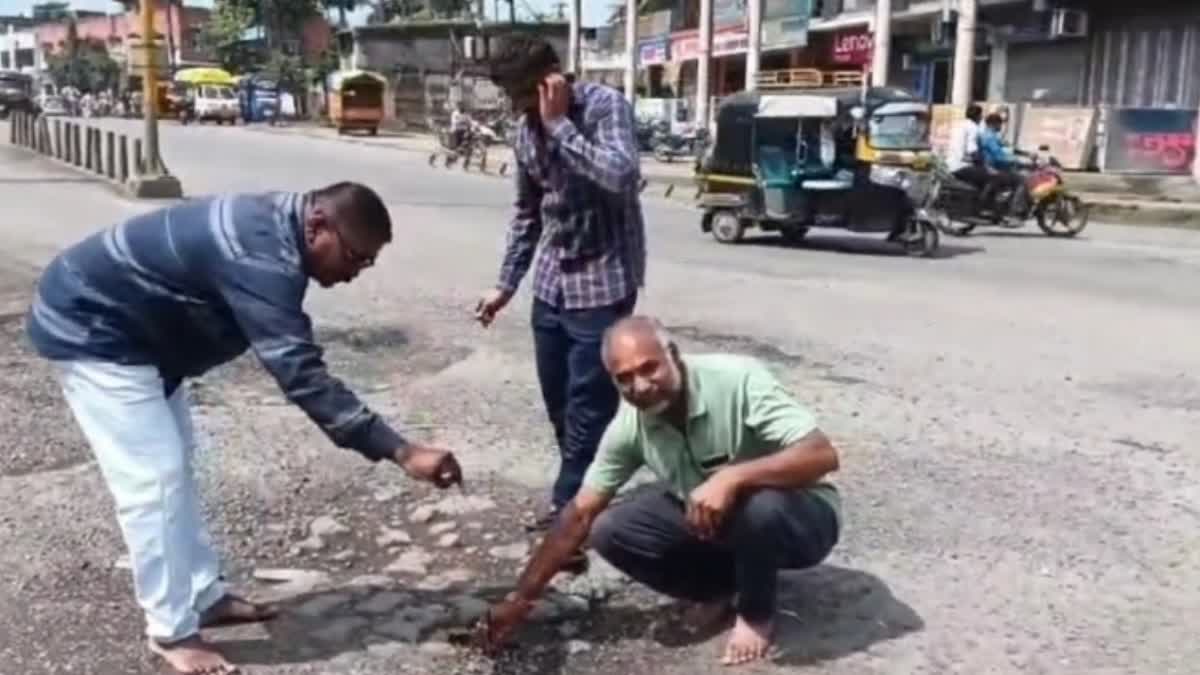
point(794, 235)
point(727, 227)
point(662, 154)
point(1062, 216)
point(923, 244)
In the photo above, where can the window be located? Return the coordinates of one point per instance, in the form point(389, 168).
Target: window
point(899, 132)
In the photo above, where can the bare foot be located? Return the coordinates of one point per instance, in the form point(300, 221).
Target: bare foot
point(747, 642)
point(231, 610)
point(193, 656)
point(702, 617)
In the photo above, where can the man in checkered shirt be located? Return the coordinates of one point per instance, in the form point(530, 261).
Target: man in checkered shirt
point(579, 223)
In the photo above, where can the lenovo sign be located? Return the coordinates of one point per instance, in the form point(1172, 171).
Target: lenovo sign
point(853, 49)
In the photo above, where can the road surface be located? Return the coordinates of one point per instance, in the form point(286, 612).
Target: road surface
point(1015, 419)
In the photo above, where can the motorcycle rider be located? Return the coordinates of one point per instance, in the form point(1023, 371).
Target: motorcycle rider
point(965, 162)
point(1000, 163)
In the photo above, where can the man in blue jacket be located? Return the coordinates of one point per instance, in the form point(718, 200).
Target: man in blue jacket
point(130, 312)
point(999, 160)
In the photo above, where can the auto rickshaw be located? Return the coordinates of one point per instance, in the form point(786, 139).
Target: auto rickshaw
point(853, 159)
point(355, 100)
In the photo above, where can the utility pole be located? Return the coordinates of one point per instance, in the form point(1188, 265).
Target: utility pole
point(154, 182)
point(754, 48)
point(704, 63)
point(575, 62)
point(631, 49)
point(880, 61)
point(964, 53)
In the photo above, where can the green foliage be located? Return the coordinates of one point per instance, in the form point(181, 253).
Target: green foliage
point(84, 65)
point(223, 34)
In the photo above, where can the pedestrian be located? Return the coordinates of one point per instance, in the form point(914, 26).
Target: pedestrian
point(578, 221)
point(744, 489)
point(129, 313)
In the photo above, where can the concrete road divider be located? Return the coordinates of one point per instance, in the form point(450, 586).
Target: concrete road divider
point(95, 151)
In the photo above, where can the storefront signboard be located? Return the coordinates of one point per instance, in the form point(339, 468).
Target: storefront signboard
point(1150, 140)
point(729, 14)
point(1069, 132)
point(654, 25)
point(686, 46)
point(653, 52)
point(853, 48)
point(785, 23)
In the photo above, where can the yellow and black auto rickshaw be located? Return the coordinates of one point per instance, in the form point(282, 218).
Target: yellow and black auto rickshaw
point(355, 100)
point(854, 159)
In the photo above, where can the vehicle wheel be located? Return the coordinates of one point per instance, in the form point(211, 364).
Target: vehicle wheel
point(727, 228)
point(662, 155)
point(922, 240)
point(794, 235)
point(1063, 216)
point(373, 131)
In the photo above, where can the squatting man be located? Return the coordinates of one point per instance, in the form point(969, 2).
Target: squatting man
point(744, 493)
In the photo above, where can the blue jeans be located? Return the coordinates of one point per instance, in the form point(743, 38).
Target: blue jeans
point(579, 395)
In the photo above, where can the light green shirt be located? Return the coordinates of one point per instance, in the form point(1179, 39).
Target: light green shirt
point(737, 411)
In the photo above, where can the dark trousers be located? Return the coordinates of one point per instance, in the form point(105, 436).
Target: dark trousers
point(648, 539)
point(579, 395)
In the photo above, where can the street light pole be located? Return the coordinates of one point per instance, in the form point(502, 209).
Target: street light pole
point(576, 63)
point(882, 50)
point(964, 53)
point(631, 49)
point(754, 47)
point(154, 182)
point(704, 63)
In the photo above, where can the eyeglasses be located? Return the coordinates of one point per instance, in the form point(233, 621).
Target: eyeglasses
point(352, 255)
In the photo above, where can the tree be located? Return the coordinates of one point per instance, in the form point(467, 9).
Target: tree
point(84, 65)
point(225, 33)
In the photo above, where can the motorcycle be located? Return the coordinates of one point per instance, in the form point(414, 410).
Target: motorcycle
point(1040, 195)
point(668, 146)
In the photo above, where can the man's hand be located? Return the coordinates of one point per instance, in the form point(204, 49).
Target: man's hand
point(490, 305)
point(554, 95)
point(432, 465)
point(708, 504)
point(498, 624)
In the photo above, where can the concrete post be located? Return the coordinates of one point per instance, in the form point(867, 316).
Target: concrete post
point(574, 55)
point(881, 55)
point(704, 65)
point(631, 49)
point(110, 163)
point(58, 139)
point(139, 160)
point(77, 141)
point(964, 53)
point(12, 47)
point(754, 47)
point(124, 159)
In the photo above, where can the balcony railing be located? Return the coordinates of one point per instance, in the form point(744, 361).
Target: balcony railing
point(808, 78)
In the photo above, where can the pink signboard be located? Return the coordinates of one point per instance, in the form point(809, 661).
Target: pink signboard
point(853, 48)
point(686, 46)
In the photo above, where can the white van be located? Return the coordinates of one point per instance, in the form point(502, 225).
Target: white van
point(217, 102)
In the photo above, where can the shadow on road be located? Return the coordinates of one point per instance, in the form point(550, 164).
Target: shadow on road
point(831, 612)
point(826, 613)
point(857, 245)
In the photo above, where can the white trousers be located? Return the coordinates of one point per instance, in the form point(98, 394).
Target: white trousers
point(143, 443)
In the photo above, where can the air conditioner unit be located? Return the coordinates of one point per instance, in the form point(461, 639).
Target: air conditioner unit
point(1068, 23)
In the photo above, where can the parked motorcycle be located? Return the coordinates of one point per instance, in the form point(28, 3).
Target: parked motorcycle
point(1041, 195)
point(668, 145)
